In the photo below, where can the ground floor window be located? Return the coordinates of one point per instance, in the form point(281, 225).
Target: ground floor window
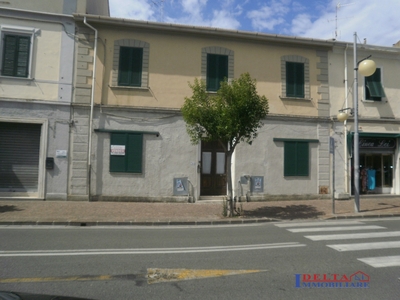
point(296, 156)
point(126, 152)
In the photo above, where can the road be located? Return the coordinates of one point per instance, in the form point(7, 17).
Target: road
point(260, 261)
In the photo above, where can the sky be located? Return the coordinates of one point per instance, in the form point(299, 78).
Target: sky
point(377, 21)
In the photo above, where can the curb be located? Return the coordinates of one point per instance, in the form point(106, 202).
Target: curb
point(364, 216)
point(180, 223)
point(133, 223)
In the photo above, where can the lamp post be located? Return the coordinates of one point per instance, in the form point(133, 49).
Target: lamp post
point(366, 67)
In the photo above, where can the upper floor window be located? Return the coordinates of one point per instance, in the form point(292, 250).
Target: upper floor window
point(217, 71)
point(16, 51)
point(295, 77)
point(130, 66)
point(217, 66)
point(131, 63)
point(373, 86)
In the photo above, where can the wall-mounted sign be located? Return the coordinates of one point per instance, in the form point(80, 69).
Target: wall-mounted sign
point(117, 149)
point(377, 143)
point(61, 153)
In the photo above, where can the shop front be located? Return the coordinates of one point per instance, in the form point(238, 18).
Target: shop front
point(377, 163)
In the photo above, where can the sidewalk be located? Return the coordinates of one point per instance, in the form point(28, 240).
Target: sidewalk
point(28, 212)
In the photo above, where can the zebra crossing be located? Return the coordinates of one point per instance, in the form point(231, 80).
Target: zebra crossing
point(334, 231)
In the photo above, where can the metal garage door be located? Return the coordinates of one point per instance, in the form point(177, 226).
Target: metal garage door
point(19, 157)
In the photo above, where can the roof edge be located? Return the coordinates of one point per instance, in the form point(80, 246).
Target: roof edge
point(203, 30)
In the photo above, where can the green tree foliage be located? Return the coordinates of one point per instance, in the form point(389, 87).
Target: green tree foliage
point(232, 115)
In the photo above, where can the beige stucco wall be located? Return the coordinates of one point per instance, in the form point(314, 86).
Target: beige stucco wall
point(374, 116)
point(389, 107)
point(175, 60)
point(45, 64)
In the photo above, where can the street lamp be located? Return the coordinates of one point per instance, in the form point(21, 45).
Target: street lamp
point(366, 67)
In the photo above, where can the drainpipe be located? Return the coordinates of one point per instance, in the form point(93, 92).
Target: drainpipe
point(346, 175)
point(91, 107)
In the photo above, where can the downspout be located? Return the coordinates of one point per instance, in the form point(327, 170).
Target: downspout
point(346, 164)
point(91, 107)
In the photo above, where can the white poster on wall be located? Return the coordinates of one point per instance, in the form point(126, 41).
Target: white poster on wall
point(117, 149)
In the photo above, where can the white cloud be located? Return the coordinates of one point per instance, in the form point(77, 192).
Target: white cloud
point(223, 19)
point(194, 7)
point(377, 21)
point(269, 16)
point(132, 9)
point(301, 23)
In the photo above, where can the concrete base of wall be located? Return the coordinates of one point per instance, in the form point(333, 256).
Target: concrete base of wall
point(78, 198)
point(339, 196)
point(55, 196)
point(267, 197)
point(172, 199)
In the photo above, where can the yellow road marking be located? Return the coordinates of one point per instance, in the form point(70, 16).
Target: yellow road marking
point(165, 275)
point(153, 276)
point(62, 278)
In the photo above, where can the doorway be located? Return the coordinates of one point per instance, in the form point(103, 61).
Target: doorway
point(213, 170)
point(380, 165)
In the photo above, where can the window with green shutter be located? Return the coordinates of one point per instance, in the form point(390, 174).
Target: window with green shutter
point(217, 71)
point(296, 158)
point(126, 150)
point(16, 55)
point(294, 79)
point(373, 86)
point(130, 66)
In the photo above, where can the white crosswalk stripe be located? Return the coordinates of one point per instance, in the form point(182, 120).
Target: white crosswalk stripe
point(340, 228)
point(365, 246)
point(382, 261)
point(337, 226)
point(352, 236)
point(315, 224)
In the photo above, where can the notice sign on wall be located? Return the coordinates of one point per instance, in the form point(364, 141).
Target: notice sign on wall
point(117, 149)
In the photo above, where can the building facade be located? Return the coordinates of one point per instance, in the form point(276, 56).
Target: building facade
point(127, 113)
point(378, 117)
point(36, 82)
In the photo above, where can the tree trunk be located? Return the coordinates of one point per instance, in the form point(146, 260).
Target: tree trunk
point(229, 181)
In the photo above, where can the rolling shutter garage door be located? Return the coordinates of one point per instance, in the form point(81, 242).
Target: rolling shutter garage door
point(19, 157)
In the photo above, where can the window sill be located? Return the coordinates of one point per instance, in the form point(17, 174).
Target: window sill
point(383, 100)
point(17, 78)
point(129, 87)
point(295, 99)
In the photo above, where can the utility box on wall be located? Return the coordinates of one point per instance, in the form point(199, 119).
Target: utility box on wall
point(181, 186)
point(257, 184)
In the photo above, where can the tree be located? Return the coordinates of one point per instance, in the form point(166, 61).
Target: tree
point(232, 115)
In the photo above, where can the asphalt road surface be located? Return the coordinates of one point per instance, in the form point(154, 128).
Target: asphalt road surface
point(285, 260)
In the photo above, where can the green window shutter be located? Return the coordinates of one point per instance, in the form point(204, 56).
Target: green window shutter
point(16, 53)
point(302, 158)
point(118, 162)
point(289, 163)
point(296, 158)
point(374, 89)
point(135, 148)
point(294, 79)
point(131, 161)
point(217, 71)
point(130, 66)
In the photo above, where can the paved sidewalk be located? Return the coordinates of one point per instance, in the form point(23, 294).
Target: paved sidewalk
point(20, 212)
